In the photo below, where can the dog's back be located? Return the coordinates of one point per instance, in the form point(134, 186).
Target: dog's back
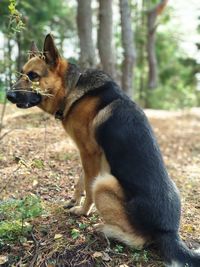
point(151, 199)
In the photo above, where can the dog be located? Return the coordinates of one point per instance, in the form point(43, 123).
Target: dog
point(124, 173)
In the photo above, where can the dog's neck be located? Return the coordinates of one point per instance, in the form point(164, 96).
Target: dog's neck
point(77, 85)
point(71, 79)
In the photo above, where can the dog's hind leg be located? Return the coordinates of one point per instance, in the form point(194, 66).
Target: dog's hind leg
point(109, 200)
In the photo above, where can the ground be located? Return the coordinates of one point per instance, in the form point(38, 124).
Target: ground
point(37, 157)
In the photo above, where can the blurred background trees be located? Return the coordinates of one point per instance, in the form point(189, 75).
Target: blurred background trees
point(132, 40)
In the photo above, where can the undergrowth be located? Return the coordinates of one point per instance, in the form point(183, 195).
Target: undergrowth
point(16, 215)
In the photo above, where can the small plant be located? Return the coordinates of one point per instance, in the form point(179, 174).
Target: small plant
point(82, 226)
point(75, 233)
point(38, 163)
point(119, 249)
point(139, 256)
point(93, 218)
point(145, 256)
point(15, 214)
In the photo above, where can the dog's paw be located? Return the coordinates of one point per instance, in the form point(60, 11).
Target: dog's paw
point(78, 210)
point(69, 204)
point(98, 227)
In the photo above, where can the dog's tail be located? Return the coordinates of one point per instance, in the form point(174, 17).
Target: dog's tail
point(175, 252)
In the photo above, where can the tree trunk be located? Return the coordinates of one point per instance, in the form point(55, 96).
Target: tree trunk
point(105, 37)
point(151, 43)
point(151, 47)
point(128, 47)
point(9, 62)
point(84, 25)
point(19, 56)
point(141, 48)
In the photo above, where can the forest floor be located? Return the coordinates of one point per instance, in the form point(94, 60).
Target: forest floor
point(37, 158)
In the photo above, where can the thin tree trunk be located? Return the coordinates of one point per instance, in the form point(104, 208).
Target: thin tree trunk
point(105, 37)
point(19, 57)
point(7, 81)
point(9, 63)
point(151, 42)
point(141, 57)
point(84, 25)
point(129, 48)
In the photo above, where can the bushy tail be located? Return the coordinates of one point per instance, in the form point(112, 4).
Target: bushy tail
point(175, 252)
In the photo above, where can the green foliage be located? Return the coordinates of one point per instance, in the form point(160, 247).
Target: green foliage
point(15, 215)
point(119, 248)
point(38, 163)
point(177, 83)
point(82, 226)
point(75, 233)
point(140, 256)
point(16, 24)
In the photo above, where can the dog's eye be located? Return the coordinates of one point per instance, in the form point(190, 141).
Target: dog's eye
point(33, 75)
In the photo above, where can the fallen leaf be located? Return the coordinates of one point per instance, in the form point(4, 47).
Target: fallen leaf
point(3, 259)
point(97, 254)
point(35, 182)
point(57, 236)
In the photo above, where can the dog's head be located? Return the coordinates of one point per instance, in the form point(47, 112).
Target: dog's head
point(41, 81)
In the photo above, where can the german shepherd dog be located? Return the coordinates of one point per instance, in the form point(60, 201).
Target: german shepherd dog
point(124, 172)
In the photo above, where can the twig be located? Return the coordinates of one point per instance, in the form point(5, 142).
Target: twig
point(45, 140)
point(1, 137)
point(34, 259)
point(9, 179)
point(2, 114)
point(33, 89)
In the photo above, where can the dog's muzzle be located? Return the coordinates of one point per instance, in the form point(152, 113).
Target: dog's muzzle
point(11, 96)
point(24, 99)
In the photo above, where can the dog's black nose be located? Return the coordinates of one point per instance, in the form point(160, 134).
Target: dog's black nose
point(11, 96)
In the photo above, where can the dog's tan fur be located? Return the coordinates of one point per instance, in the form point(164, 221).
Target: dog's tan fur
point(106, 189)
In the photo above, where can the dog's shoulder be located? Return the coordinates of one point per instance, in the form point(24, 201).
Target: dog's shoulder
point(92, 79)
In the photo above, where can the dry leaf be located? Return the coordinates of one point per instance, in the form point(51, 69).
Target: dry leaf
point(3, 259)
point(97, 254)
point(57, 236)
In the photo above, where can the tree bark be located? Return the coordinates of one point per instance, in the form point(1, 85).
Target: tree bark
point(128, 47)
point(105, 37)
point(151, 42)
point(84, 25)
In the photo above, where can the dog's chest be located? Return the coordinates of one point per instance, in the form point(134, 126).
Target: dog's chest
point(79, 124)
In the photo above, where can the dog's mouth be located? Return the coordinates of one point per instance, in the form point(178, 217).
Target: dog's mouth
point(24, 105)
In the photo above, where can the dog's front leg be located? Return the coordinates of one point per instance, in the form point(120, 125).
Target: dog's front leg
point(85, 208)
point(78, 193)
point(91, 166)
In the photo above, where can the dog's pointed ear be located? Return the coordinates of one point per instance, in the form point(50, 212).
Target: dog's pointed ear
point(33, 50)
point(50, 51)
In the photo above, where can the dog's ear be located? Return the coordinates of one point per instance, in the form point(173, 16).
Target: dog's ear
point(33, 50)
point(50, 51)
